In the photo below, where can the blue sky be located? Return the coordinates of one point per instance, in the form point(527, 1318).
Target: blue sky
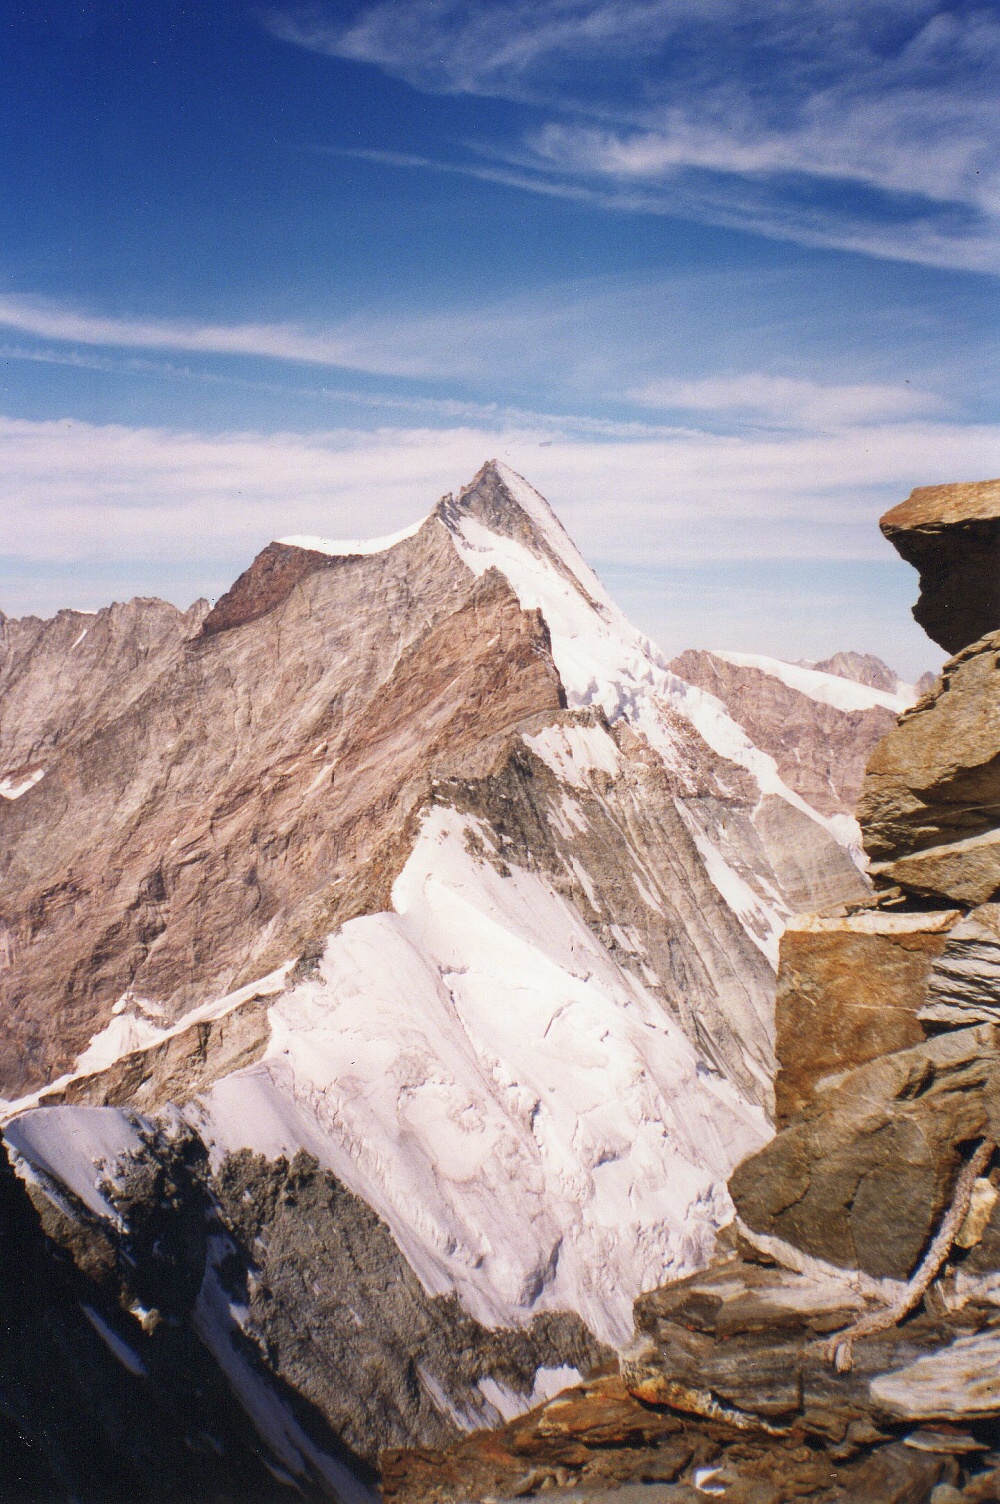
point(719, 278)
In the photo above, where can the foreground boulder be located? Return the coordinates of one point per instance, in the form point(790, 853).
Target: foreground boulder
point(862, 1177)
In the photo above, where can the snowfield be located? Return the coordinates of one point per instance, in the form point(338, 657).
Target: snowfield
point(534, 1129)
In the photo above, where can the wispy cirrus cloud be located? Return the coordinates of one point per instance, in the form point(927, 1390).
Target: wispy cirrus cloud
point(834, 122)
point(56, 321)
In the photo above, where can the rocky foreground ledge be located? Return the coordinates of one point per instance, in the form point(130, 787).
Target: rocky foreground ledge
point(844, 1344)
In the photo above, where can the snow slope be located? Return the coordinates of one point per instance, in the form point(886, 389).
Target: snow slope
point(537, 1133)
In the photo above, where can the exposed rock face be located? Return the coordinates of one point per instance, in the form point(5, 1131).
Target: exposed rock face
point(198, 834)
point(930, 806)
point(863, 668)
point(850, 989)
point(951, 534)
point(100, 1405)
point(820, 732)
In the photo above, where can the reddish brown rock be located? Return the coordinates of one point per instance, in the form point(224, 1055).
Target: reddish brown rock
point(268, 582)
point(850, 989)
point(951, 534)
point(597, 1434)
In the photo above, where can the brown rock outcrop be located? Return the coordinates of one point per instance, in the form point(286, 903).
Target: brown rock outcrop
point(930, 805)
point(951, 534)
point(268, 582)
point(748, 1340)
point(849, 990)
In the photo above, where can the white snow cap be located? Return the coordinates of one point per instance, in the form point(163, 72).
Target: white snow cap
point(345, 548)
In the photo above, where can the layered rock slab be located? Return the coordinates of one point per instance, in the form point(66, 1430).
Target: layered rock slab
point(851, 988)
point(930, 805)
point(951, 534)
point(862, 1176)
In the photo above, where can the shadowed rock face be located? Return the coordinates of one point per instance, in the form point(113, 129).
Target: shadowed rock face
point(951, 534)
point(95, 1408)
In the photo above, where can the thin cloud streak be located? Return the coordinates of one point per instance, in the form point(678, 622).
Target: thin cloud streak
point(50, 320)
point(789, 402)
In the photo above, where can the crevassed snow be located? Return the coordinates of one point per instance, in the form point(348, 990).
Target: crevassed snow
point(15, 784)
point(78, 1146)
point(344, 548)
point(830, 689)
point(523, 1114)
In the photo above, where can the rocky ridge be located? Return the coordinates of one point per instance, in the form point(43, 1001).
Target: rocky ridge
point(842, 1344)
point(377, 921)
